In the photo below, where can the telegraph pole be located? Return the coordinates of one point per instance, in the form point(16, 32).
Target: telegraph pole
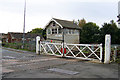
point(24, 25)
point(118, 15)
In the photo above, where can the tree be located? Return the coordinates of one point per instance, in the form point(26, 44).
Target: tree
point(118, 36)
point(90, 33)
point(44, 34)
point(109, 28)
point(40, 31)
point(37, 30)
point(81, 23)
point(74, 21)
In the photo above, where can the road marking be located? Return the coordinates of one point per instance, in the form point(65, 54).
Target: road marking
point(9, 57)
point(63, 71)
point(5, 70)
point(19, 64)
point(42, 60)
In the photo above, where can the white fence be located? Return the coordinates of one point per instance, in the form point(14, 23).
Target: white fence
point(85, 51)
point(81, 51)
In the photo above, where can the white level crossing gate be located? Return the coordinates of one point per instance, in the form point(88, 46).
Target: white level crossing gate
point(84, 51)
point(80, 51)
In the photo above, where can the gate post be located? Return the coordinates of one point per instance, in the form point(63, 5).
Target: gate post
point(37, 45)
point(101, 51)
point(107, 48)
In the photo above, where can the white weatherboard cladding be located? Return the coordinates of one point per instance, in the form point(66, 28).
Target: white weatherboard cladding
point(58, 35)
point(74, 39)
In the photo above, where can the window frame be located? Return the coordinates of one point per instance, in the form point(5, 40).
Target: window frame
point(49, 31)
point(59, 31)
point(54, 30)
point(76, 31)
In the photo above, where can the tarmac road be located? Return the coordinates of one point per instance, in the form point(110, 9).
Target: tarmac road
point(18, 64)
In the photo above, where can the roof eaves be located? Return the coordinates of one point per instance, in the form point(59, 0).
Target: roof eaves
point(72, 28)
point(54, 21)
point(57, 22)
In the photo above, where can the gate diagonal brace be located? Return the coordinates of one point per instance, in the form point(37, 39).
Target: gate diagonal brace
point(93, 52)
point(81, 52)
point(70, 51)
point(70, 47)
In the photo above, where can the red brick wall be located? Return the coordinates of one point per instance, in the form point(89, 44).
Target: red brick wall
point(9, 38)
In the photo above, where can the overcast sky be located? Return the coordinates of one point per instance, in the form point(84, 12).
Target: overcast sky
point(40, 12)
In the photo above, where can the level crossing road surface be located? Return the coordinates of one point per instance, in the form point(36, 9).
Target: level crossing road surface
point(24, 64)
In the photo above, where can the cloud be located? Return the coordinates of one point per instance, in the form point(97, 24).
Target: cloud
point(10, 22)
point(39, 12)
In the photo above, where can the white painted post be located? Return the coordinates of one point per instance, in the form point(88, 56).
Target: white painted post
point(101, 52)
point(107, 48)
point(37, 44)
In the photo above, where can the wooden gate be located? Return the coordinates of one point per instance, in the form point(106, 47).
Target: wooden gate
point(80, 51)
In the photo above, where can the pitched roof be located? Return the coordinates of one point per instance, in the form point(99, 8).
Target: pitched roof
point(27, 35)
point(16, 34)
point(67, 24)
point(32, 35)
point(3, 35)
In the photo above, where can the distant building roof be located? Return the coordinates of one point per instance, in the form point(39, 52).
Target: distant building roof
point(65, 23)
point(32, 35)
point(27, 35)
point(16, 34)
point(3, 35)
